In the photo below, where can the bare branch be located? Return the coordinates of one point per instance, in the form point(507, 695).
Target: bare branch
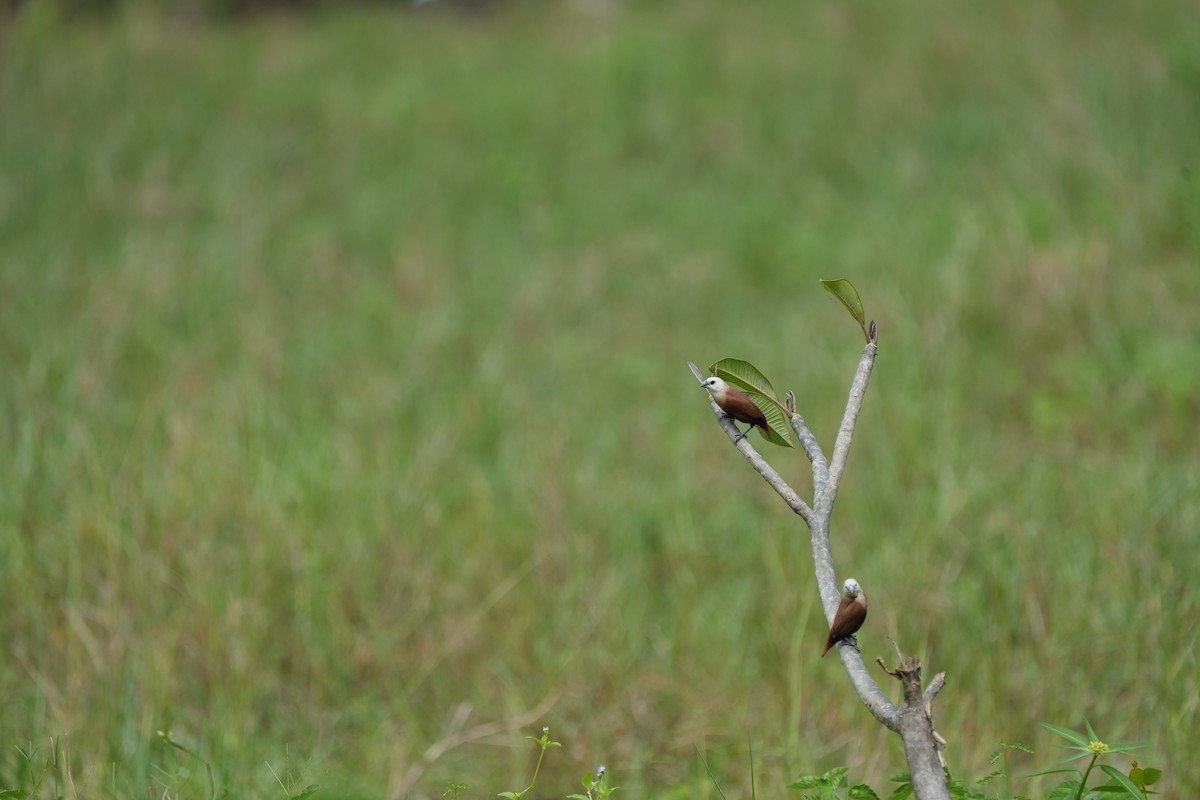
point(841, 447)
point(812, 449)
point(761, 466)
point(921, 742)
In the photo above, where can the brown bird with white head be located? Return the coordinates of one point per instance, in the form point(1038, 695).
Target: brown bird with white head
point(736, 404)
point(851, 614)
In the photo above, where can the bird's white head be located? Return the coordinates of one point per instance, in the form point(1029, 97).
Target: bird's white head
point(714, 385)
point(851, 587)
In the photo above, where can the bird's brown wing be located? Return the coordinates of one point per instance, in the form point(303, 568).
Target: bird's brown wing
point(742, 408)
point(851, 614)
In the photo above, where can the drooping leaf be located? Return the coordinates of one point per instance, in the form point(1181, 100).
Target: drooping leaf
point(745, 376)
point(776, 421)
point(845, 292)
point(902, 792)
point(807, 782)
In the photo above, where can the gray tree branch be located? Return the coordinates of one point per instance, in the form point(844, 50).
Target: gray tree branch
point(761, 466)
point(913, 719)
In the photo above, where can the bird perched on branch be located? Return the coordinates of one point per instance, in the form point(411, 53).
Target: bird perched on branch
point(851, 614)
point(736, 404)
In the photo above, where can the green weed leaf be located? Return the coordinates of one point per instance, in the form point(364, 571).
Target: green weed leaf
point(862, 792)
point(307, 791)
point(1067, 733)
point(990, 776)
point(1051, 772)
point(1119, 778)
point(845, 292)
point(836, 776)
point(807, 782)
point(902, 792)
point(1147, 776)
point(1064, 791)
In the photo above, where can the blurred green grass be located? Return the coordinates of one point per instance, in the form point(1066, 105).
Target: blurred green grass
point(345, 386)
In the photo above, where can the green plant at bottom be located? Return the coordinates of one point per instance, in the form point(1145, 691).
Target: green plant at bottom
point(834, 785)
point(1136, 784)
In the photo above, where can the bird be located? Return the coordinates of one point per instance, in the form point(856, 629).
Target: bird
point(851, 614)
point(736, 404)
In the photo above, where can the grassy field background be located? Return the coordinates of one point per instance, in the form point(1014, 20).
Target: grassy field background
point(345, 403)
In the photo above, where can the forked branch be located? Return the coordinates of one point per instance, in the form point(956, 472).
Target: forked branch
point(919, 742)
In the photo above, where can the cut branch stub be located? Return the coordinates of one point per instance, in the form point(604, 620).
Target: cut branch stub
point(745, 376)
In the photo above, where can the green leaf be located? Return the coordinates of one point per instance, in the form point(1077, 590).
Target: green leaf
point(1147, 776)
point(903, 777)
point(10, 793)
point(862, 792)
point(1064, 791)
point(1121, 748)
point(1067, 733)
point(845, 292)
point(1051, 772)
point(807, 782)
point(1093, 736)
point(753, 791)
point(990, 776)
point(902, 792)
point(1116, 775)
point(776, 421)
point(307, 791)
point(745, 376)
point(510, 795)
point(836, 776)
